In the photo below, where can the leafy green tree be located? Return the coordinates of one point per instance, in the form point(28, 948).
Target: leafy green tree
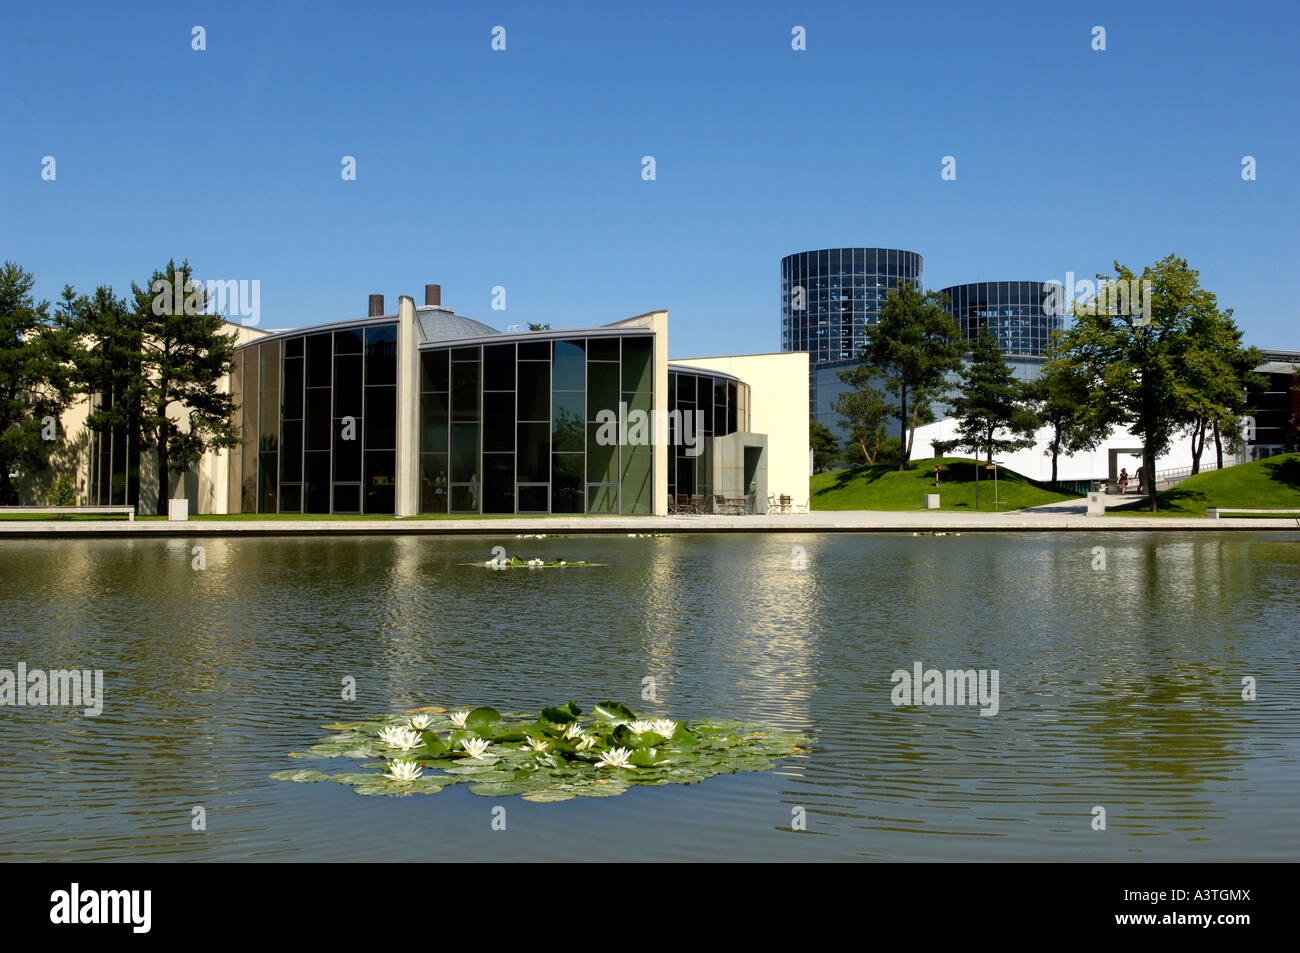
point(990, 406)
point(108, 367)
point(1060, 398)
point(825, 450)
point(34, 380)
point(533, 326)
point(187, 355)
point(1136, 359)
point(914, 346)
point(864, 411)
point(1219, 370)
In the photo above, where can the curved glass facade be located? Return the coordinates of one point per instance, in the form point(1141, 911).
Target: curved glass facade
point(843, 290)
point(1013, 310)
point(318, 418)
point(521, 425)
point(718, 405)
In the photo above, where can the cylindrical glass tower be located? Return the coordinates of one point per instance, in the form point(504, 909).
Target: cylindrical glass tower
point(1012, 310)
point(829, 297)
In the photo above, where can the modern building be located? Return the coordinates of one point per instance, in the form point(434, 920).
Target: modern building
point(1017, 313)
point(1274, 427)
point(425, 411)
point(828, 298)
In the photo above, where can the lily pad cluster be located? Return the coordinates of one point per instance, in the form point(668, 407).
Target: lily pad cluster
point(554, 756)
point(514, 562)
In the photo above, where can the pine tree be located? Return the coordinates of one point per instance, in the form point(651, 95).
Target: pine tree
point(187, 356)
point(34, 382)
point(914, 347)
point(991, 412)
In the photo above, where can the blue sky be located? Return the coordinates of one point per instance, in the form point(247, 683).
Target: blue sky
point(522, 168)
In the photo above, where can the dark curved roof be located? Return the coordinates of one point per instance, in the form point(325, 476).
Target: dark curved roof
point(441, 324)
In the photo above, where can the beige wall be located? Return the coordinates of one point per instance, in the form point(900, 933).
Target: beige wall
point(657, 321)
point(204, 485)
point(406, 500)
point(214, 469)
point(778, 388)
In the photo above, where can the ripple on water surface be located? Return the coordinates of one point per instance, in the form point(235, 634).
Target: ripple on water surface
point(1119, 688)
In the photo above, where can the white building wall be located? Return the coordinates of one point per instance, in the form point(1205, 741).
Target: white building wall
point(1089, 465)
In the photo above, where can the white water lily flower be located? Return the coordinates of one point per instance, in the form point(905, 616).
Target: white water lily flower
point(420, 722)
point(534, 562)
point(537, 744)
point(574, 731)
point(616, 758)
point(640, 727)
point(475, 747)
point(664, 726)
point(587, 742)
point(458, 718)
point(403, 771)
point(403, 738)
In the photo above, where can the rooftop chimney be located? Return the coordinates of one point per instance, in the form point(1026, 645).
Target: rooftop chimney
point(376, 305)
point(433, 296)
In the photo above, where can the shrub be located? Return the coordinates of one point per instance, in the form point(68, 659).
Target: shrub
point(60, 494)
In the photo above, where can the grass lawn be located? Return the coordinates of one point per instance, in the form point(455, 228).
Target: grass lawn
point(886, 488)
point(1272, 483)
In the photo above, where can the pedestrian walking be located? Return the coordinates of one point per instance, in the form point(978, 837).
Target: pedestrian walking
point(1123, 481)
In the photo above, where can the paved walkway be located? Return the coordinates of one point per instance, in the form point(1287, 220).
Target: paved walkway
point(1080, 506)
point(1053, 518)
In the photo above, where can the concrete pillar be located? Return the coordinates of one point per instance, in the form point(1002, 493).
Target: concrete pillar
point(408, 410)
point(659, 473)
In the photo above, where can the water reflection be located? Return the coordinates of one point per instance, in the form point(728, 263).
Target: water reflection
point(1119, 686)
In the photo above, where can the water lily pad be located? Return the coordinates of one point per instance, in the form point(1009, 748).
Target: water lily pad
point(296, 775)
point(473, 767)
point(548, 794)
point(613, 711)
point(481, 716)
point(601, 788)
point(498, 788)
point(565, 768)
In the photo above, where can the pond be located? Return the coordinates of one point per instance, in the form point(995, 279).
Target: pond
point(1116, 662)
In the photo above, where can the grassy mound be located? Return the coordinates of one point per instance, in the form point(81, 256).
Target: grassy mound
point(887, 488)
point(1271, 483)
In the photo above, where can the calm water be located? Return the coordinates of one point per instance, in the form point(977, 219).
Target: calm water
point(1118, 687)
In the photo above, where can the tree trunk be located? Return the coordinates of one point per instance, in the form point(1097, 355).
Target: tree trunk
point(903, 448)
point(7, 496)
point(1218, 445)
point(1149, 467)
point(911, 433)
point(164, 461)
point(1198, 445)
